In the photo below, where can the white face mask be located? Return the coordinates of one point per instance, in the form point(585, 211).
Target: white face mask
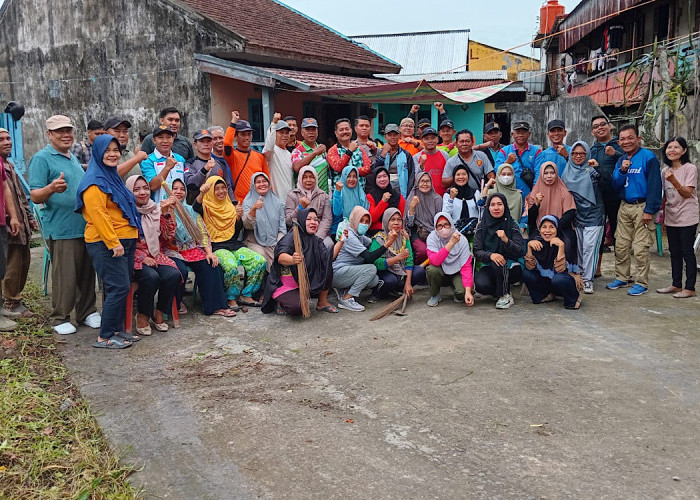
point(506, 180)
point(444, 233)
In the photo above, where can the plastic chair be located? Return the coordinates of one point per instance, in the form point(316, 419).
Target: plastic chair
point(129, 318)
point(47, 256)
point(659, 240)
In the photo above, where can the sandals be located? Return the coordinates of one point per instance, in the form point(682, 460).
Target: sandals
point(115, 342)
point(226, 313)
point(280, 311)
point(160, 327)
point(328, 309)
point(127, 336)
point(576, 306)
point(549, 298)
point(243, 302)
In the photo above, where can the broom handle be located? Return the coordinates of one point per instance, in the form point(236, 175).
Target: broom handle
point(427, 261)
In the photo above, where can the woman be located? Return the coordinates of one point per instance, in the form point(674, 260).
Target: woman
point(223, 222)
point(111, 231)
point(461, 201)
point(504, 183)
point(193, 251)
point(583, 181)
point(680, 215)
point(498, 244)
point(450, 262)
point(550, 196)
point(546, 268)
point(282, 286)
point(263, 217)
point(381, 196)
point(424, 203)
point(348, 194)
point(308, 195)
point(395, 268)
point(154, 271)
point(353, 265)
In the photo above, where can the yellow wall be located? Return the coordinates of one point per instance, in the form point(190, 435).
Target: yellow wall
point(484, 58)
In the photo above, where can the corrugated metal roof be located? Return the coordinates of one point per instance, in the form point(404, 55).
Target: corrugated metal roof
point(422, 52)
point(325, 80)
point(448, 77)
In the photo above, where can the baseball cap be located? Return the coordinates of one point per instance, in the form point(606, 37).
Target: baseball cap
point(309, 122)
point(521, 125)
point(243, 126)
point(446, 123)
point(58, 121)
point(202, 134)
point(490, 126)
point(115, 121)
point(429, 131)
point(423, 121)
point(555, 124)
point(162, 129)
point(392, 127)
point(282, 125)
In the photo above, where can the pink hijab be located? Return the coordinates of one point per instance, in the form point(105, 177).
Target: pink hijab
point(150, 218)
point(557, 198)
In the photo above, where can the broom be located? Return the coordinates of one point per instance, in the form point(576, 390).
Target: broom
point(304, 291)
point(187, 221)
point(388, 309)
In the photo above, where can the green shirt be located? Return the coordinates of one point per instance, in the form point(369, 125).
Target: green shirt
point(58, 217)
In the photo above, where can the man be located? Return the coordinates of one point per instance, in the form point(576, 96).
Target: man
point(242, 160)
point(7, 209)
point(217, 134)
point(558, 152)
point(163, 164)
point(118, 127)
point(83, 149)
point(279, 159)
point(397, 160)
point(476, 162)
point(293, 129)
point(309, 152)
point(447, 133)
point(492, 142)
point(171, 118)
point(363, 128)
point(521, 154)
point(425, 122)
point(54, 175)
point(347, 152)
point(606, 151)
point(204, 165)
point(637, 177)
point(407, 140)
point(18, 255)
point(432, 159)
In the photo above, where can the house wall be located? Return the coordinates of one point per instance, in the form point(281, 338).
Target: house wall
point(472, 118)
point(89, 60)
point(484, 58)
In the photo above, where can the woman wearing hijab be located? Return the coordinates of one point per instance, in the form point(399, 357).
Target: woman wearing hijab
point(224, 224)
point(550, 196)
point(498, 244)
point(546, 267)
point(424, 203)
point(154, 271)
point(504, 183)
point(460, 201)
point(347, 195)
point(353, 267)
point(193, 251)
point(583, 181)
point(263, 217)
point(396, 268)
point(381, 196)
point(282, 286)
point(450, 262)
point(308, 195)
point(111, 231)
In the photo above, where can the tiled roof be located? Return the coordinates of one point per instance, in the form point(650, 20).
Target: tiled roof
point(325, 80)
point(272, 29)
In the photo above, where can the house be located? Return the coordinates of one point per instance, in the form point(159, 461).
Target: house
point(484, 57)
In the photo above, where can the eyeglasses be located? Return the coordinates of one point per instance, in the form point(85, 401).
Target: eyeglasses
point(578, 153)
point(600, 125)
point(444, 225)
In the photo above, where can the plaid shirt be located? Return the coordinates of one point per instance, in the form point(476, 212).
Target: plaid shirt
point(83, 152)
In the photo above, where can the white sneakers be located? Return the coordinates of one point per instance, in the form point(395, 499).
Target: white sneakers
point(94, 320)
point(6, 324)
point(65, 328)
point(505, 302)
point(350, 304)
point(434, 300)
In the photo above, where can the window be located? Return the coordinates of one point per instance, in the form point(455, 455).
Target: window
point(255, 117)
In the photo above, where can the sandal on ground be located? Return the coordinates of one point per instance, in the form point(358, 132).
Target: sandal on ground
point(127, 336)
point(183, 309)
point(328, 309)
point(226, 313)
point(280, 311)
point(113, 343)
point(160, 327)
point(244, 302)
point(577, 305)
point(548, 298)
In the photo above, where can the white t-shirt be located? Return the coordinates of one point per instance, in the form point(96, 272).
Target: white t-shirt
point(280, 165)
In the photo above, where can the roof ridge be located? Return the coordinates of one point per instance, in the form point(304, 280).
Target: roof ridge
point(438, 32)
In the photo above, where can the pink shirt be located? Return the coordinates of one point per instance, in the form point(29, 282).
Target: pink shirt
point(436, 259)
point(679, 211)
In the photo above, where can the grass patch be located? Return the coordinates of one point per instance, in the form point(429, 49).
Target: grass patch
point(50, 444)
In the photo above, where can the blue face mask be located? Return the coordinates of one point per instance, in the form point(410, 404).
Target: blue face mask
point(362, 228)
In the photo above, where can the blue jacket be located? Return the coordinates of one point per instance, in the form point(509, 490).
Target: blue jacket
point(529, 158)
point(642, 181)
point(551, 154)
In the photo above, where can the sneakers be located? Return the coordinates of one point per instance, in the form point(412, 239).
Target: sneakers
point(93, 320)
point(434, 300)
point(614, 285)
point(6, 324)
point(505, 302)
point(588, 287)
point(373, 299)
point(65, 328)
point(10, 314)
point(637, 290)
point(350, 305)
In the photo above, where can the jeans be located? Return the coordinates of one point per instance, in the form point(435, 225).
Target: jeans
point(115, 274)
point(561, 285)
point(210, 282)
point(680, 246)
point(161, 279)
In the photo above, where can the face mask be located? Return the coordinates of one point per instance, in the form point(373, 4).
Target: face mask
point(444, 233)
point(506, 180)
point(362, 228)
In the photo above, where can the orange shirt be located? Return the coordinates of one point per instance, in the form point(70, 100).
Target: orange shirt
point(237, 160)
point(408, 146)
point(105, 221)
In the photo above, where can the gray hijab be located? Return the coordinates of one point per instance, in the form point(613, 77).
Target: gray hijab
point(578, 177)
point(267, 219)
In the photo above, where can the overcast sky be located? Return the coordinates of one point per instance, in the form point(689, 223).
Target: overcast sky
point(503, 24)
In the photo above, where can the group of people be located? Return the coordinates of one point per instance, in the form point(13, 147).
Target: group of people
point(428, 207)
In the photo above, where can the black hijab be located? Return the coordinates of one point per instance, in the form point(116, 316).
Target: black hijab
point(491, 224)
point(464, 193)
point(377, 192)
point(546, 256)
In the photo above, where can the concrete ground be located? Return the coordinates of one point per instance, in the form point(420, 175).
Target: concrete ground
point(533, 402)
